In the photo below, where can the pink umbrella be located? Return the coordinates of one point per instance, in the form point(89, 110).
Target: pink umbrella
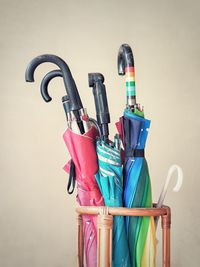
point(80, 140)
point(83, 153)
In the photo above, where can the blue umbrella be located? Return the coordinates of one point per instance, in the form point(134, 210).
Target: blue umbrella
point(137, 184)
point(110, 181)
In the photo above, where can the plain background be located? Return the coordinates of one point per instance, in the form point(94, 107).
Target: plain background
point(37, 217)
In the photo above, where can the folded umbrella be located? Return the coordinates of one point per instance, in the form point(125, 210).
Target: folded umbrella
point(82, 151)
point(137, 185)
point(67, 108)
point(109, 177)
point(80, 145)
point(80, 139)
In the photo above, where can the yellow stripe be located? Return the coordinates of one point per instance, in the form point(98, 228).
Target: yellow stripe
point(130, 79)
point(149, 254)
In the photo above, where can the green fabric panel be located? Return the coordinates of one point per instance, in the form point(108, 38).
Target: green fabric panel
point(143, 230)
point(140, 200)
point(139, 113)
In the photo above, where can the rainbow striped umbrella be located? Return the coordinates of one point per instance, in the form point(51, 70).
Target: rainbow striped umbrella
point(137, 187)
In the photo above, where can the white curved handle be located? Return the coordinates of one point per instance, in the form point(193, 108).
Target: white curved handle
point(176, 188)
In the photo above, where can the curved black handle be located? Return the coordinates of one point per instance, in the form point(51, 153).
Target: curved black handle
point(45, 82)
point(44, 89)
point(69, 82)
point(125, 58)
point(101, 104)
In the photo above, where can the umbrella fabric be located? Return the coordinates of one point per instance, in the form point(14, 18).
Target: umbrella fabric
point(83, 153)
point(137, 191)
point(109, 179)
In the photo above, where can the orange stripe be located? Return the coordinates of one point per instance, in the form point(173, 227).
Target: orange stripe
point(130, 69)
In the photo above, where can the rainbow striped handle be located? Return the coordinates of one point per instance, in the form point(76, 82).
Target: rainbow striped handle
point(130, 82)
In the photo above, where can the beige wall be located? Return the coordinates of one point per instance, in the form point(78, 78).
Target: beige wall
point(37, 218)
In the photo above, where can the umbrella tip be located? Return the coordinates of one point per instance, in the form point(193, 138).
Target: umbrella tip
point(29, 81)
point(29, 76)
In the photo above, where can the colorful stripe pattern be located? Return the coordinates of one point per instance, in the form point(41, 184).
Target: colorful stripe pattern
point(130, 82)
point(137, 193)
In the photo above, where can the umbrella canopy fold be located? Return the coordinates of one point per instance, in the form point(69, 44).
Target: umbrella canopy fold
point(83, 153)
point(110, 180)
point(137, 191)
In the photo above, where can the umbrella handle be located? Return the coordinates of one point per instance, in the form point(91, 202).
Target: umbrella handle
point(176, 188)
point(45, 83)
point(65, 99)
point(69, 82)
point(44, 89)
point(126, 66)
point(101, 104)
point(125, 59)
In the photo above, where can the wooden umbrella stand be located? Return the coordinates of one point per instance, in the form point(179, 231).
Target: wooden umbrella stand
point(104, 231)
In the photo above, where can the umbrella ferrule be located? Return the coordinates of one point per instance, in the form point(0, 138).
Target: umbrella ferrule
point(105, 131)
point(117, 142)
point(131, 102)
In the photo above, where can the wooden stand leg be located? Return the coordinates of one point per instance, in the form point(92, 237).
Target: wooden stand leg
point(166, 223)
point(104, 240)
point(80, 253)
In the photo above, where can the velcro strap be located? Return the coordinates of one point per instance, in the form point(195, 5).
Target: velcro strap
point(134, 153)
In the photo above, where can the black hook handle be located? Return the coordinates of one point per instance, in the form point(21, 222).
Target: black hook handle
point(65, 99)
point(69, 82)
point(101, 104)
point(44, 89)
point(45, 83)
point(125, 58)
point(67, 107)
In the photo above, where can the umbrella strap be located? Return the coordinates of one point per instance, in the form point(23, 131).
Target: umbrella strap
point(136, 153)
point(72, 178)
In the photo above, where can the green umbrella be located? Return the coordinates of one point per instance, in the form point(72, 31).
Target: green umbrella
point(110, 181)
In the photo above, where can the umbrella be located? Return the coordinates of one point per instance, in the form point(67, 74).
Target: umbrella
point(85, 167)
point(109, 177)
point(137, 184)
point(66, 105)
point(80, 144)
point(176, 188)
point(79, 147)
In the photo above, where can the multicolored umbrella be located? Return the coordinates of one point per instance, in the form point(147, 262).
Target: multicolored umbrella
point(137, 185)
point(109, 176)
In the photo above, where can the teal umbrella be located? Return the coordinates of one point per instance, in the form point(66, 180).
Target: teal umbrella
point(110, 181)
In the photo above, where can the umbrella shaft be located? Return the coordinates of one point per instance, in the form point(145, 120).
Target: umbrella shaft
point(130, 86)
point(79, 122)
point(131, 101)
point(104, 132)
